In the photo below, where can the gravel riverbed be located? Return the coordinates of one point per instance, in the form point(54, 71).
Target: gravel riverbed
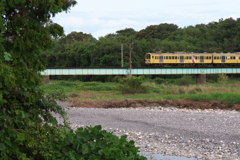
point(203, 134)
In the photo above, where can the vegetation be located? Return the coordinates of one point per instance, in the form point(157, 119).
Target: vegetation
point(131, 85)
point(82, 50)
point(211, 91)
point(93, 143)
point(27, 128)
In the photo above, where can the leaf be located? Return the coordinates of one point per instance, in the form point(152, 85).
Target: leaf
point(7, 56)
point(2, 146)
point(107, 151)
point(92, 145)
point(85, 148)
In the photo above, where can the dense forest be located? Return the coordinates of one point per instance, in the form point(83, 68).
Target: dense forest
point(79, 49)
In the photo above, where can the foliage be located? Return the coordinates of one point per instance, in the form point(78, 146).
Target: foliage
point(185, 81)
point(106, 51)
point(93, 143)
point(159, 80)
point(28, 130)
point(26, 124)
point(68, 84)
point(223, 79)
point(132, 85)
point(96, 86)
point(117, 79)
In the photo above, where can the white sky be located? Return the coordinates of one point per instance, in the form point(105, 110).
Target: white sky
point(101, 17)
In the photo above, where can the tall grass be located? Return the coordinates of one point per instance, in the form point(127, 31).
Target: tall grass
point(228, 93)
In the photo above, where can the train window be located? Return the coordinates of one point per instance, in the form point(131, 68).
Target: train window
point(217, 57)
point(233, 57)
point(148, 56)
point(190, 57)
point(196, 57)
point(214, 57)
point(209, 57)
point(206, 57)
point(175, 57)
point(152, 57)
point(170, 57)
point(166, 57)
point(186, 57)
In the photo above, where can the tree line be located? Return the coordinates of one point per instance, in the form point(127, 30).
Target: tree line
point(79, 49)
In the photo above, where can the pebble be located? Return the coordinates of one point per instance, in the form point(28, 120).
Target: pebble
point(154, 143)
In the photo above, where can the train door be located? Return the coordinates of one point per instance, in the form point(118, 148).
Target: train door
point(201, 59)
point(181, 59)
point(223, 59)
point(161, 59)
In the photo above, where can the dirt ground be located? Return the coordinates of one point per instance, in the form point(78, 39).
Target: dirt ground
point(181, 103)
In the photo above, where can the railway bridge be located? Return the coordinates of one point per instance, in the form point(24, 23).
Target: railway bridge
point(124, 71)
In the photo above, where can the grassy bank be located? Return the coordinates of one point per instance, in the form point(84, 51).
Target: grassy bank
point(228, 93)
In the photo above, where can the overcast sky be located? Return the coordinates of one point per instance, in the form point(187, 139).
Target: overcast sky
point(100, 17)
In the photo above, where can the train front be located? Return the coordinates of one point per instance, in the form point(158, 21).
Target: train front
point(148, 58)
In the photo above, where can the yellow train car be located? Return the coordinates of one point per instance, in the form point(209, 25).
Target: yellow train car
point(223, 59)
point(180, 59)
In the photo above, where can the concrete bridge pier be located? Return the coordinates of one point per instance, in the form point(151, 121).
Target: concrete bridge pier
point(46, 79)
point(200, 78)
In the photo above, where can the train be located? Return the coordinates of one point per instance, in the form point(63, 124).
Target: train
point(192, 59)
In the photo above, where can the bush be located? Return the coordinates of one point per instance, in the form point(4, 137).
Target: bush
point(117, 79)
point(132, 85)
point(159, 80)
point(185, 81)
point(223, 79)
point(94, 143)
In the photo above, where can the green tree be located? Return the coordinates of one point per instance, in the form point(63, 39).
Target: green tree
point(27, 127)
point(126, 32)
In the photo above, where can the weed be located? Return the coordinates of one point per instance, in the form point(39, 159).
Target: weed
point(68, 84)
point(185, 81)
point(73, 95)
point(181, 90)
point(223, 79)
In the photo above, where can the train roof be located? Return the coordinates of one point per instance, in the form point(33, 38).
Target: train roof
point(180, 53)
point(226, 53)
point(194, 53)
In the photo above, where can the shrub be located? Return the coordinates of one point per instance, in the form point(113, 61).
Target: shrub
point(132, 85)
point(94, 143)
point(159, 80)
point(117, 79)
point(185, 81)
point(223, 79)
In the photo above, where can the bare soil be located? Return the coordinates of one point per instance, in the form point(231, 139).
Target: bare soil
point(132, 103)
